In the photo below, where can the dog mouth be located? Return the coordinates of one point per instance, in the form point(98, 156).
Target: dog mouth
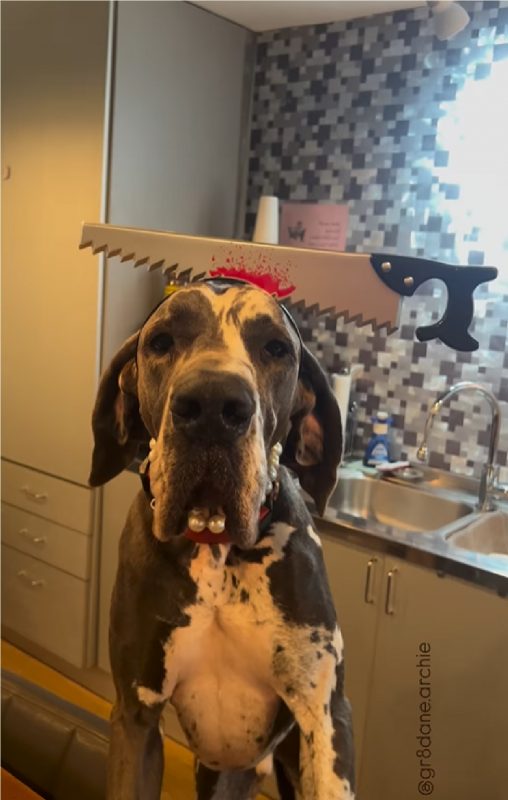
point(211, 494)
point(204, 515)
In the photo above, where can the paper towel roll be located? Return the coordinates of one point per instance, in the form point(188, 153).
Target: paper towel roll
point(266, 230)
point(341, 385)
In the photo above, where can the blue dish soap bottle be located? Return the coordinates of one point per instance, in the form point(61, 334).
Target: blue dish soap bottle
point(378, 448)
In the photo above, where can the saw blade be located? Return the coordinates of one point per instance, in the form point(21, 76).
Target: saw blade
point(345, 284)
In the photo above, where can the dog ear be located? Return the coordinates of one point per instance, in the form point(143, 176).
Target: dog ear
point(116, 421)
point(313, 448)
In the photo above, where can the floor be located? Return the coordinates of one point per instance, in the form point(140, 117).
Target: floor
point(178, 776)
point(12, 789)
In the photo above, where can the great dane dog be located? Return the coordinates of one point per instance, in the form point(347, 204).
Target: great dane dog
point(221, 603)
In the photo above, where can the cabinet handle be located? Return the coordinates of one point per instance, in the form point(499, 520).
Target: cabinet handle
point(369, 581)
point(35, 583)
point(390, 592)
point(39, 497)
point(25, 533)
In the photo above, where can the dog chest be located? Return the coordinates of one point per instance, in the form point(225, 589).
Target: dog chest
point(223, 692)
point(227, 669)
point(219, 674)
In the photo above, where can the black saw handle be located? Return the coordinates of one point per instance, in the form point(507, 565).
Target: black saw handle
point(404, 274)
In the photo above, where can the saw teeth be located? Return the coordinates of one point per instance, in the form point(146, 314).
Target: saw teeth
point(360, 322)
point(156, 265)
point(128, 257)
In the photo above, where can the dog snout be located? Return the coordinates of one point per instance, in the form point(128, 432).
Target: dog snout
point(213, 407)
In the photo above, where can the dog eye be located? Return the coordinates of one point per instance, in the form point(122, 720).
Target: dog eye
point(161, 343)
point(276, 348)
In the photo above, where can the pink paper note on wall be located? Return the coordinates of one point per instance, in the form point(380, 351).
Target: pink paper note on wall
point(322, 226)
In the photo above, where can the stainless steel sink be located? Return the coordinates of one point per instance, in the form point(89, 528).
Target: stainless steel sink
point(436, 512)
point(488, 533)
point(376, 502)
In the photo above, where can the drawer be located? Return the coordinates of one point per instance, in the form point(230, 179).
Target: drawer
point(57, 500)
point(38, 537)
point(44, 604)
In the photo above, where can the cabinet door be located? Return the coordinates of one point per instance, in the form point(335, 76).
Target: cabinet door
point(45, 605)
point(441, 671)
point(53, 99)
point(179, 140)
point(355, 577)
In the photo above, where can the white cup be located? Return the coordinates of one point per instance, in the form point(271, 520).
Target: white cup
point(266, 230)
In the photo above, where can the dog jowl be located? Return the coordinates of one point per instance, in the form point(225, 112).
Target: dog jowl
point(221, 603)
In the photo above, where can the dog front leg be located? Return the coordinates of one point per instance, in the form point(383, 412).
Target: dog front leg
point(326, 771)
point(136, 759)
point(323, 716)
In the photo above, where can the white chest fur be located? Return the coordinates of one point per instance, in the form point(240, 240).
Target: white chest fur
point(218, 668)
point(223, 685)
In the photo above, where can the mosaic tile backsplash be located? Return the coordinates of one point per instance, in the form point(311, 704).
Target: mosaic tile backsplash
point(411, 133)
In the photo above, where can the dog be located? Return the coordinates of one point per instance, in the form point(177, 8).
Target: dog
point(221, 603)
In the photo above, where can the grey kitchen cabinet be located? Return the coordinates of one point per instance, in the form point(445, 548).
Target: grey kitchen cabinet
point(54, 61)
point(355, 577)
point(179, 148)
point(433, 663)
point(54, 92)
point(463, 629)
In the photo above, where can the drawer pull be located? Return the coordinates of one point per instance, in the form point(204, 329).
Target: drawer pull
point(390, 592)
point(35, 583)
point(25, 533)
point(39, 497)
point(369, 581)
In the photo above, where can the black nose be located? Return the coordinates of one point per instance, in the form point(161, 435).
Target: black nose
point(212, 406)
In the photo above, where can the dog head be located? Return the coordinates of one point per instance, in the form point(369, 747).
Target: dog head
point(216, 377)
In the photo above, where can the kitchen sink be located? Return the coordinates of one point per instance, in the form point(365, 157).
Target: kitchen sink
point(376, 502)
point(488, 533)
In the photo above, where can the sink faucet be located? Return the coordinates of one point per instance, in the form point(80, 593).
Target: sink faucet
point(488, 474)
